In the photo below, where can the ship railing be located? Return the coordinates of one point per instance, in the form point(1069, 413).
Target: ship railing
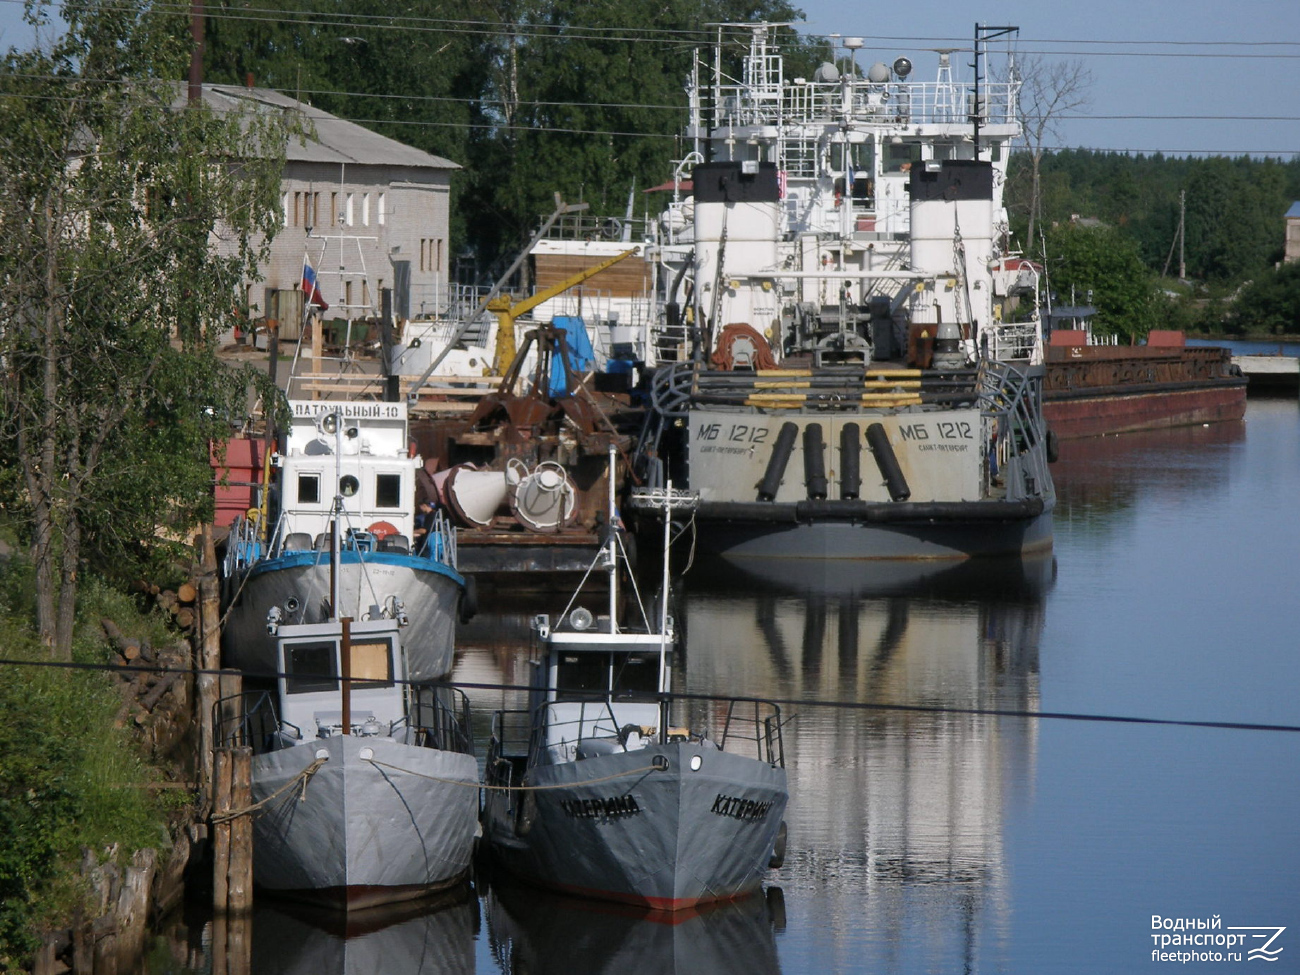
point(1010, 400)
point(911, 103)
point(439, 715)
point(583, 727)
point(251, 719)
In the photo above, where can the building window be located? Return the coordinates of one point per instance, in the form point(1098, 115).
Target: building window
point(430, 254)
point(365, 293)
point(347, 218)
point(365, 209)
point(297, 208)
point(347, 294)
point(334, 209)
point(315, 210)
point(284, 203)
point(381, 209)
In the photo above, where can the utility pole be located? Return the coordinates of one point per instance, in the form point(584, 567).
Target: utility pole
point(1182, 235)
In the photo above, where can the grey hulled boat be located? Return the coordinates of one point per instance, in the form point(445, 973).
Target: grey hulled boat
point(604, 787)
point(371, 794)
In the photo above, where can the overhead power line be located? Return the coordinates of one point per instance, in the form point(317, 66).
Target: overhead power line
point(689, 696)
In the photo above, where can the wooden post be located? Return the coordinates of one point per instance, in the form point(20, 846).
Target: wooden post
point(239, 885)
point(207, 653)
point(223, 802)
point(232, 839)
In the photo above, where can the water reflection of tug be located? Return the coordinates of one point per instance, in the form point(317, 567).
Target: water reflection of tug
point(905, 806)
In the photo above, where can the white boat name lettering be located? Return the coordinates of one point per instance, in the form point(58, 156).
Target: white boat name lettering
point(610, 808)
point(737, 808)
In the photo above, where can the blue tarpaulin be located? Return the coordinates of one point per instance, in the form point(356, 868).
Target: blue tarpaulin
point(581, 355)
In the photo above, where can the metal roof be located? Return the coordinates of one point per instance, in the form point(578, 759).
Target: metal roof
point(336, 141)
point(1295, 210)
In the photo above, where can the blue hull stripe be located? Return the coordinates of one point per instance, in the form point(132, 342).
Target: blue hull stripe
point(294, 560)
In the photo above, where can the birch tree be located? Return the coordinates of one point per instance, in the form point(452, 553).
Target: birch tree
point(1050, 90)
point(129, 222)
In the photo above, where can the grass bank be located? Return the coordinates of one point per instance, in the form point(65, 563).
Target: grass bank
point(71, 776)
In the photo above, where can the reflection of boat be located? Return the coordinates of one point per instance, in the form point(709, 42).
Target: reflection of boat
point(902, 814)
point(865, 358)
point(601, 788)
point(370, 782)
point(572, 936)
point(349, 461)
point(425, 938)
point(1003, 577)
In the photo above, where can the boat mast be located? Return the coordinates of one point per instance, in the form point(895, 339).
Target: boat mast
point(611, 545)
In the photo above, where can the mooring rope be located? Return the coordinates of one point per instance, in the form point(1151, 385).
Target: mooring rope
point(302, 777)
point(520, 788)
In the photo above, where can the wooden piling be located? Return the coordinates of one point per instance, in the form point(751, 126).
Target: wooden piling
point(207, 654)
point(232, 835)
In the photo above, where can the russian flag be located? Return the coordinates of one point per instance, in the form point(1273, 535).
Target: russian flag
point(310, 289)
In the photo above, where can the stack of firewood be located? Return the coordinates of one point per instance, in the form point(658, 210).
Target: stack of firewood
point(156, 686)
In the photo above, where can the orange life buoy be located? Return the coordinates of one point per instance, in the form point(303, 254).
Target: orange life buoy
point(382, 529)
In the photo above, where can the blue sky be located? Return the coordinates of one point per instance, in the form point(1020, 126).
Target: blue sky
point(1202, 76)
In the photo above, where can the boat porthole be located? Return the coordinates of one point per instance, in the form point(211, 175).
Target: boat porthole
point(348, 485)
point(661, 763)
point(696, 762)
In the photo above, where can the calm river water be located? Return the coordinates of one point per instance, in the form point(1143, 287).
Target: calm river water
point(948, 842)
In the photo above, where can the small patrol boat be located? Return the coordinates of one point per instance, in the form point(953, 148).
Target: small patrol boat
point(364, 785)
point(607, 785)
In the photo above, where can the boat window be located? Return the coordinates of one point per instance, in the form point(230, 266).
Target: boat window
point(348, 485)
point(582, 673)
point(310, 667)
point(901, 155)
point(372, 664)
point(636, 673)
point(309, 489)
point(388, 490)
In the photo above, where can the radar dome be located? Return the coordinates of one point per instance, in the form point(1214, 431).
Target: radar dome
point(826, 73)
point(878, 73)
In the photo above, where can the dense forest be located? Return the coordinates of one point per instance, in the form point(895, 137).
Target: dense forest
point(1109, 222)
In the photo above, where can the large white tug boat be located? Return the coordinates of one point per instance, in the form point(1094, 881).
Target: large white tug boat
point(860, 359)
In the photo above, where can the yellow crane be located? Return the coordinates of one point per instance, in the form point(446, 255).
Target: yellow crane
point(507, 310)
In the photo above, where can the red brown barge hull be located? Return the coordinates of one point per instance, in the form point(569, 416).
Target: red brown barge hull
point(1092, 391)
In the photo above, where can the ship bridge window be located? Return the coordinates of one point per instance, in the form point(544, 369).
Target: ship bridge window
point(635, 673)
point(388, 490)
point(309, 489)
point(581, 674)
point(310, 667)
point(372, 664)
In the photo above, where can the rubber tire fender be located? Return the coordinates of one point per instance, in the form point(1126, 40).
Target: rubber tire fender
point(468, 607)
point(777, 859)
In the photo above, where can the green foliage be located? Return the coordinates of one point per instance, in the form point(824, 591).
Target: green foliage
point(1268, 305)
point(1105, 262)
point(1234, 207)
point(130, 223)
point(69, 779)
